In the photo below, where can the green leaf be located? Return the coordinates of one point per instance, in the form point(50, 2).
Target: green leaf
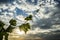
point(12, 22)
point(10, 29)
point(37, 10)
point(24, 27)
point(1, 25)
point(29, 17)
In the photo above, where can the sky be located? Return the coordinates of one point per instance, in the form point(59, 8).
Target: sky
point(46, 22)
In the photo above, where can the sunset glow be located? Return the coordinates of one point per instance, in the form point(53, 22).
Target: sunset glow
point(17, 31)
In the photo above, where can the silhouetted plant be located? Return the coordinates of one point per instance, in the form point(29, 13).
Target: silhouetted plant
point(26, 26)
point(1, 30)
point(28, 18)
point(10, 28)
point(5, 32)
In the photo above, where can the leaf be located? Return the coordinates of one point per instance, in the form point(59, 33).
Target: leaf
point(24, 27)
point(12, 22)
point(10, 29)
point(37, 10)
point(1, 25)
point(29, 17)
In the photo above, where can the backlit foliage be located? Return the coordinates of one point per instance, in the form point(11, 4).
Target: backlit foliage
point(28, 18)
point(25, 27)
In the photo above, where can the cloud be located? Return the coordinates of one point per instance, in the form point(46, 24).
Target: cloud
point(46, 20)
point(55, 35)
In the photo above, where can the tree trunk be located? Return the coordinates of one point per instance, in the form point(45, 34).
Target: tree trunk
point(6, 36)
point(1, 36)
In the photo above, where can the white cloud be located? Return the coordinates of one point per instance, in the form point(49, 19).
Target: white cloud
point(12, 8)
point(3, 6)
point(20, 17)
point(11, 14)
point(38, 30)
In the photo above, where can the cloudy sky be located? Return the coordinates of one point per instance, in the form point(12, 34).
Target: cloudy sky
point(46, 22)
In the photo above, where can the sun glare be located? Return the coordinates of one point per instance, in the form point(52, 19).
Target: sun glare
point(19, 32)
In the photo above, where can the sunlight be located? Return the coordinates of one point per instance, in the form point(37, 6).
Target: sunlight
point(19, 32)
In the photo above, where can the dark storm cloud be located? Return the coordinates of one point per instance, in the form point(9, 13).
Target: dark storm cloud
point(6, 1)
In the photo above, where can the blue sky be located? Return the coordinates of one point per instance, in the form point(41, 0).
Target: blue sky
point(20, 12)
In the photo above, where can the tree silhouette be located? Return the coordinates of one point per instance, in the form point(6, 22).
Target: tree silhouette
point(10, 28)
point(28, 18)
point(5, 32)
point(1, 30)
point(26, 26)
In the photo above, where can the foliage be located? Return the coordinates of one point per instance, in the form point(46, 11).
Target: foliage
point(6, 36)
point(1, 25)
point(10, 28)
point(37, 10)
point(12, 22)
point(28, 18)
point(1, 30)
point(4, 32)
point(25, 27)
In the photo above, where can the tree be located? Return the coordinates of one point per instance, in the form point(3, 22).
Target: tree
point(5, 32)
point(28, 18)
point(10, 28)
point(26, 26)
point(37, 10)
point(1, 30)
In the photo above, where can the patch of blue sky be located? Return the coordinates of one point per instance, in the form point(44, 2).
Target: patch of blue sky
point(20, 12)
